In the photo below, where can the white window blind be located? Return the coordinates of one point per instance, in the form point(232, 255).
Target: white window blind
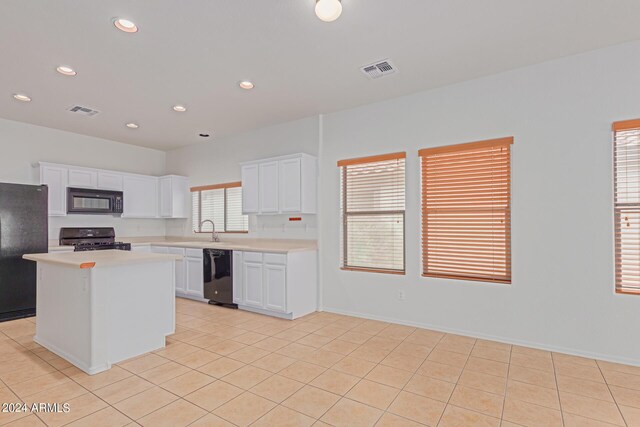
point(626, 166)
point(372, 210)
point(222, 204)
point(466, 211)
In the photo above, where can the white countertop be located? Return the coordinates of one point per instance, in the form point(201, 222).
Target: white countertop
point(96, 259)
point(248, 244)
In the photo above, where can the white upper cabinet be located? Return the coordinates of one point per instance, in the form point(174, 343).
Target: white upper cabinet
point(269, 187)
point(110, 181)
point(140, 196)
point(144, 196)
point(250, 188)
point(174, 196)
point(55, 177)
point(290, 181)
point(281, 185)
point(83, 178)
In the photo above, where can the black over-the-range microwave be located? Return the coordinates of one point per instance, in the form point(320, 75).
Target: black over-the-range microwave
point(91, 201)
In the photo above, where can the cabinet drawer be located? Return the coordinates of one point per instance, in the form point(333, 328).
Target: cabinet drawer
point(275, 259)
point(159, 249)
point(194, 253)
point(253, 256)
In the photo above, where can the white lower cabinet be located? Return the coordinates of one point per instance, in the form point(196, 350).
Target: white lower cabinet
point(194, 276)
point(237, 274)
point(189, 271)
point(252, 274)
point(180, 270)
point(275, 277)
point(282, 285)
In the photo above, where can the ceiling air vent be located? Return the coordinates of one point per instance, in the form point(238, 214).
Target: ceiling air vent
point(85, 111)
point(379, 69)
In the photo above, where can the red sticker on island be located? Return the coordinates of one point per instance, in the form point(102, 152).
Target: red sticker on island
point(297, 218)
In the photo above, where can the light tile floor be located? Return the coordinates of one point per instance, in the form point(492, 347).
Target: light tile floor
point(227, 367)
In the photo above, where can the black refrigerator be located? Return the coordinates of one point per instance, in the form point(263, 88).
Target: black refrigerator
point(23, 230)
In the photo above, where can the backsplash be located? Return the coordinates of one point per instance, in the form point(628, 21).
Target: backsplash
point(260, 226)
point(125, 227)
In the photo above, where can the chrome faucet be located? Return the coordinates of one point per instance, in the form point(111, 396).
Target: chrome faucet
point(214, 235)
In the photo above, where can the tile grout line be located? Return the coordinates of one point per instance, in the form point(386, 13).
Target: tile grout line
point(506, 386)
point(611, 393)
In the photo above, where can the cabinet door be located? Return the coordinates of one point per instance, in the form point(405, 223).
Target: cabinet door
point(84, 178)
point(290, 181)
point(56, 179)
point(110, 181)
point(165, 197)
point(252, 280)
point(250, 189)
point(140, 196)
point(236, 268)
point(180, 269)
point(269, 187)
point(180, 197)
point(275, 284)
point(195, 280)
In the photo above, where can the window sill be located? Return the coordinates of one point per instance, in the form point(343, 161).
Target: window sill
point(468, 279)
point(627, 292)
point(221, 232)
point(373, 270)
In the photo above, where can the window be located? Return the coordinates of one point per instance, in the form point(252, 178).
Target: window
point(372, 210)
point(222, 204)
point(466, 211)
point(626, 171)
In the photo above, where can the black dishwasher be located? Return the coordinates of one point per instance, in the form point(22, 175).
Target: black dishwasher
point(218, 277)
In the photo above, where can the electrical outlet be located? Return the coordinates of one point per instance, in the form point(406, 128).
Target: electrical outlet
point(400, 295)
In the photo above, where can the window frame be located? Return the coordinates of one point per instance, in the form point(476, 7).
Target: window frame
point(497, 142)
point(625, 125)
point(343, 164)
point(224, 187)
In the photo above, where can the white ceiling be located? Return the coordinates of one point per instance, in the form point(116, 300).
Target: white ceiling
point(195, 51)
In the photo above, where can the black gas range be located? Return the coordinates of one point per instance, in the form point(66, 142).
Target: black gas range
point(91, 239)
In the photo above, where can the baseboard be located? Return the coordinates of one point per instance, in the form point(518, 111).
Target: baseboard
point(474, 334)
point(191, 297)
point(71, 359)
point(286, 316)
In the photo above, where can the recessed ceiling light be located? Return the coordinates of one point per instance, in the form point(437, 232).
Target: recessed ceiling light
point(132, 125)
point(21, 97)
point(179, 108)
point(125, 25)
point(246, 84)
point(67, 71)
point(328, 10)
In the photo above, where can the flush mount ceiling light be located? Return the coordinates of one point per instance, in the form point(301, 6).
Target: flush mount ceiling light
point(125, 25)
point(179, 108)
point(67, 71)
point(132, 125)
point(246, 84)
point(328, 10)
point(21, 97)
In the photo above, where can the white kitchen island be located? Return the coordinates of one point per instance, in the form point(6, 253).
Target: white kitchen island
point(97, 308)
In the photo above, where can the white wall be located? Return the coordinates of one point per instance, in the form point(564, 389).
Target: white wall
point(22, 145)
point(218, 162)
point(560, 114)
